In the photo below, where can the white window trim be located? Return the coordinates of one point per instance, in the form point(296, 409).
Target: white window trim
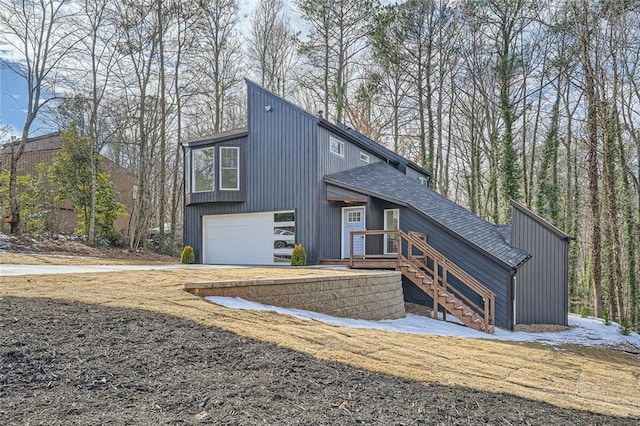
point(386, 237)
point(354, 212)
point(193, 170)
point(237, 149)
point(364, 157)
point(340, 143)
point(423, 180)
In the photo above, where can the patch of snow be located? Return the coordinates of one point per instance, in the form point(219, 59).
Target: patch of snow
point(584, 331)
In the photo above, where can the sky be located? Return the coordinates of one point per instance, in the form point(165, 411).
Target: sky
point(584, 331)
point(13, 94)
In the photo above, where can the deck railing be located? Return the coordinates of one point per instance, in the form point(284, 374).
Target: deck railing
point(412, 247)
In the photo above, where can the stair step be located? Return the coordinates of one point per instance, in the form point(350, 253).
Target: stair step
point(440, 293)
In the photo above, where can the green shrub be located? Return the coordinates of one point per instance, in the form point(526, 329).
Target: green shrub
point(625, 326)
point(108, 236)
point(298, 256)
point(606, 315)
point(584, 311)
point(188, 256)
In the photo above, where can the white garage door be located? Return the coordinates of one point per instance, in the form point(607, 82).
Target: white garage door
point(238, 239)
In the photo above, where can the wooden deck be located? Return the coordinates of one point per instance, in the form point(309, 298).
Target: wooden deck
point(429, 270)
point(363, 263)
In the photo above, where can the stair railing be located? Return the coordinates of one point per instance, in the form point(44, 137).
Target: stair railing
point(442, 267)
point(441, 279)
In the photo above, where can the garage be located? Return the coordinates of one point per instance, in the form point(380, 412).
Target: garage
point(248, 238)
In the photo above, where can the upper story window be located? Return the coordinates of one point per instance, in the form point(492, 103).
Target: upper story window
point(229, 168)
point(203, 170)
point(364, 157)
point(423, 180)
point(336, 146)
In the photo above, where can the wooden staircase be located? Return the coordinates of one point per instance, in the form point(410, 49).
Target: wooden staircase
point(448, 301)
point(430, 271)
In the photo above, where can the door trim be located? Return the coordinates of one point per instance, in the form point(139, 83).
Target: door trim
point(342, 214)
point(385, 239)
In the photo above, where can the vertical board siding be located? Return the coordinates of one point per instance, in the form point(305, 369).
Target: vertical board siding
point(414, 174)
point(489, 273)
point(541, 283)
point(329, 225)
point(280, 170)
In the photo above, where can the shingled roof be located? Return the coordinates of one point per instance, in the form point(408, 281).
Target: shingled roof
point(383, 181)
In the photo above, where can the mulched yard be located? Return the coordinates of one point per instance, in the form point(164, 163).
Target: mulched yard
point(73, 363)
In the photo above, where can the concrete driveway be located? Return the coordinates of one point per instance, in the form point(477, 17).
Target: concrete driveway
point(11, 270)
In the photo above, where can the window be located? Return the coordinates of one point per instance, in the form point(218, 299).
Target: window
point(336, 146)
point(203, 171)
point(391, 223)
point(423, 180)
point(364, 157)
point(229, 168)
point(284, 217)
point(284, 236)
point(354, 216)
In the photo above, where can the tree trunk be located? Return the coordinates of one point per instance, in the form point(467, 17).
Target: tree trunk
point(595, 248)
point(612, 235)
point(163, 133)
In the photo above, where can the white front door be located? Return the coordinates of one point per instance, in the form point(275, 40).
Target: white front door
point(352, 220)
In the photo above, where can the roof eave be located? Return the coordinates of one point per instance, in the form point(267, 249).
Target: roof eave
point(541, 221)
point(216, 138)
point(450, 231)
point(330, 126)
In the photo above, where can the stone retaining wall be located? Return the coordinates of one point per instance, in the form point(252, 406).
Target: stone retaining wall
point(371, 295)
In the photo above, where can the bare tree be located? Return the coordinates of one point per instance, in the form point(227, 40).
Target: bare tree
point(186, 17)
point(336, 39)
point(271, 46)
point(139, 46)
point(36, 36)
point(585, 23)
point(218, 63)
point(97, 49)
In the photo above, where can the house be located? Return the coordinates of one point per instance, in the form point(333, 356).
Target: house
point(42, 149)
point(292, 177)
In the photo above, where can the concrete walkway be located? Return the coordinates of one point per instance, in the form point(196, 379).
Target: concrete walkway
point(11, 270)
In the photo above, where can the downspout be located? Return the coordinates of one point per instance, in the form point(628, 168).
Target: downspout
point(184, 195)
point(514, 299)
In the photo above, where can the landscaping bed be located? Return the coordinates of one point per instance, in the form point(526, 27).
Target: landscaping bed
point(136, 312)
point(65, 362)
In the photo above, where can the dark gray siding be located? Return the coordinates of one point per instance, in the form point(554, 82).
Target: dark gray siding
point(280, 170)
point(541, 284)
point(330, 224)
point(489, 273)
point(414, 174)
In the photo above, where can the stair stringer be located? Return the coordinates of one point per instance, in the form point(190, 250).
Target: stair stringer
point(417, 275)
